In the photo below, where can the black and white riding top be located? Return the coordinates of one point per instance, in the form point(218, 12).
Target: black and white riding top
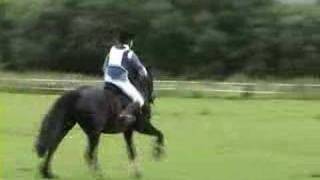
point(121, 63)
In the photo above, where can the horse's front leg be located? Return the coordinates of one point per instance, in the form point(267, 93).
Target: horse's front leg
point(149, 129)
point(132, 152)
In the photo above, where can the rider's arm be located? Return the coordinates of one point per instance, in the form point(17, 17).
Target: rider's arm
point(137, 64)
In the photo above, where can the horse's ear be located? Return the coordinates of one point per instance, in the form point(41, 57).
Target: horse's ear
point(149, 68)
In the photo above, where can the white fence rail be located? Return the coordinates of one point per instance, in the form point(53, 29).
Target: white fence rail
point(201, 86)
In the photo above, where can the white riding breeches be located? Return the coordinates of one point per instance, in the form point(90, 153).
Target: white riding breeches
point(128, 88)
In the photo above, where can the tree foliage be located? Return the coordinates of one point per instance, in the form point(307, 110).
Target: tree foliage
point(199, 39)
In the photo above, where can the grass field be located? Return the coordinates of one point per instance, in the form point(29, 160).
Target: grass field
point(206, 139)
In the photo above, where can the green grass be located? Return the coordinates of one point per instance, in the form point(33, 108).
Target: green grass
point(206, 139)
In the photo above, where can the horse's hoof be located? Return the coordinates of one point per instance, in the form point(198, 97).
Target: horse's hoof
point(158, 153)
point(138, 175)
point(49, 176)
point(100, 176)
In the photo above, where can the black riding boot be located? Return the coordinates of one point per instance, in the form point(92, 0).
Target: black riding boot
point(128, 115)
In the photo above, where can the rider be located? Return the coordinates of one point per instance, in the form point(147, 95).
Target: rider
point(118, 67)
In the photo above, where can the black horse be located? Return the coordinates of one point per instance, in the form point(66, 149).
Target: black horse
point(97, 111)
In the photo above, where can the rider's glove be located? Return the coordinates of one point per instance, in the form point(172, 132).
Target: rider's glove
point(143, 72)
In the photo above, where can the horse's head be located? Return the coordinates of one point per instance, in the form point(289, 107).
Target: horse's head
point(149, 86)
point(145, 85)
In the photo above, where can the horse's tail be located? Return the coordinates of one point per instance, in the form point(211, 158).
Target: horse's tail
point(55, 122)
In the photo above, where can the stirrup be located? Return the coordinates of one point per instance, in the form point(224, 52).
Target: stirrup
point(127, 118)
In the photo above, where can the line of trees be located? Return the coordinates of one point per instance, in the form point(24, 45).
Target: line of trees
point(198, 39)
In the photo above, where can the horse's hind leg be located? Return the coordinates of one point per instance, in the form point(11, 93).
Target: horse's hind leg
point(45, 168)
point(132, 152)
point(149, 129)
point(91, 152)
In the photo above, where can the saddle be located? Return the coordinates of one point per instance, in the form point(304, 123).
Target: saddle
point(124, 98)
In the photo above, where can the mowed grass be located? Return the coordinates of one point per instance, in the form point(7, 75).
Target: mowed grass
point(212, 139)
